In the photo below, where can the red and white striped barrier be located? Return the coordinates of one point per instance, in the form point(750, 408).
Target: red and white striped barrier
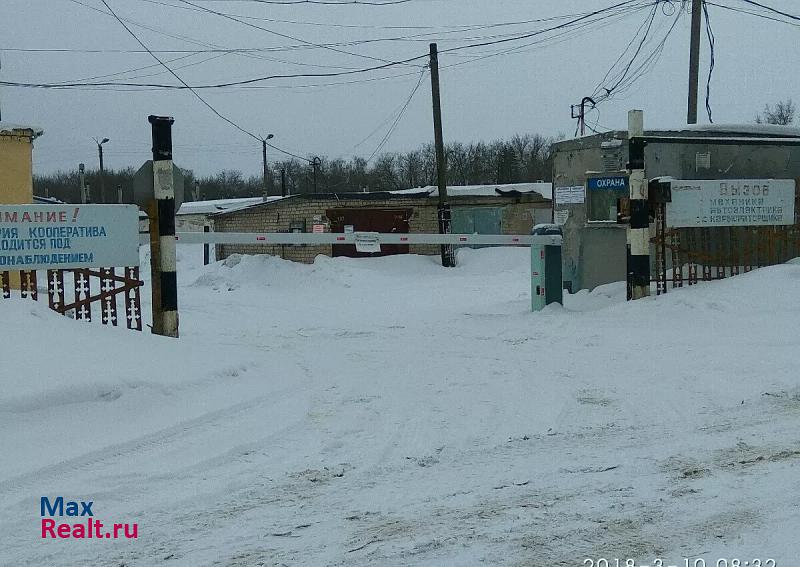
point(270, 238)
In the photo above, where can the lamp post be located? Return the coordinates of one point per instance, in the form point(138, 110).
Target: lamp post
point(264, 160)
point(102, 170)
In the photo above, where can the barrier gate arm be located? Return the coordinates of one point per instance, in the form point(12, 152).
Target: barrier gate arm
point(270, 238)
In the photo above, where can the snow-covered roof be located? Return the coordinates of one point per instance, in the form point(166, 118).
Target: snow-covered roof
point(543, 189)
point(219, 205)
point(747, 129)
point(10, 128)
point(46, 200)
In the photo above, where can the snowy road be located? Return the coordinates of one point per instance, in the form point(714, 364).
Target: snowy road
point(391, 412)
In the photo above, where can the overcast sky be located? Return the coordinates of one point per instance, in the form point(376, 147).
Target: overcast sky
point(527, 90)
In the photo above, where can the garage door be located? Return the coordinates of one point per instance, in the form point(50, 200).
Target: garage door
point(477, 220)
point(369, 220)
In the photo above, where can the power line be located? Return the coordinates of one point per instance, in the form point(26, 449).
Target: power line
point(645, 35)
point(184, 86)
point(279, 34)
point(399, 117)
point(325, 2)
point(174, 74)
point(580, 20)
point(752, 13)
point(771, 9)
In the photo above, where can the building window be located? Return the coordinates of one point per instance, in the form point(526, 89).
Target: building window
point(603, 195)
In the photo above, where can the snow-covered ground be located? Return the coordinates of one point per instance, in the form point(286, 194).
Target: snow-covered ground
point(392, 412)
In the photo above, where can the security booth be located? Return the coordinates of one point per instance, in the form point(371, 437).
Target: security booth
point(590, 201)
point(546, 273)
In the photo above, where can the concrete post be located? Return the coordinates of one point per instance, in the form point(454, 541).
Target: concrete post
point(163, 252)
point(638, 259)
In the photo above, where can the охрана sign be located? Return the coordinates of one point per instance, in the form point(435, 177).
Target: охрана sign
point(55, 237)
point(608, 183)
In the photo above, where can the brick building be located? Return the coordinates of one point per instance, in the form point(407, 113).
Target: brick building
point(483, 210)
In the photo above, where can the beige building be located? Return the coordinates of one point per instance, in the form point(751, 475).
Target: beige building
point(16, 169)
point(475, 210)
point(16, 163)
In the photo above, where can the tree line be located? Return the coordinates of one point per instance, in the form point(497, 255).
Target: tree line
point(519, 159)
point(522, 158)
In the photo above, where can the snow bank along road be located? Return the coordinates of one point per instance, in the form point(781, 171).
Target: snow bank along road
point(392, 412)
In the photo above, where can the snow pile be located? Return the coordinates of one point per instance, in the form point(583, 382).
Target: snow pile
point(392, 412)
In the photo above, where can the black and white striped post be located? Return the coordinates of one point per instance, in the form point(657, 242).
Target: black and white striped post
point(639, 226)
point(163, 257)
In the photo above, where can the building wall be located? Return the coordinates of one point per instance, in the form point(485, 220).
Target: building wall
point(191, 222)
point(518, 218)
point(16, 169)
point(594, 253)
point(16, 176)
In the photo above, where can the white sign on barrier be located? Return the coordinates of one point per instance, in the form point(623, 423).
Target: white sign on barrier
point(731, 202)
point(55, 237)
point(368, 242)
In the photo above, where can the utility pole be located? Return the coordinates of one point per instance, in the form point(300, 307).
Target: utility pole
point(264, 161)
point(82, 176)
point(283, 182)
point(119, 194)
point(448, 256)
point(316, 162)
point(694, 61)
point(163, 262)
point(102, 169)
point(638, 257)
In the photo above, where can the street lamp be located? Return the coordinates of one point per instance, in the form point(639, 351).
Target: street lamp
point(102, 170)
point(264, 160)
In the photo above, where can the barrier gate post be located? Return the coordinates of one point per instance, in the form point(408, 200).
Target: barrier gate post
point(546, 277)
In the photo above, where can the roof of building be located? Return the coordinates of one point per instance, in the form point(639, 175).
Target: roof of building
point(746, 133)
point(8, 128)
point(220, 205)
point(543, 189)
point(46, 200)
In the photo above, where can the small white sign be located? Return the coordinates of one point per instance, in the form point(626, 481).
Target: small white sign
point(318, 228)
point(349, 229)
point(731, 202)
point(56, 237)
point(368, 242)
point(163, 180)
point(570, 195)
point(562, 216)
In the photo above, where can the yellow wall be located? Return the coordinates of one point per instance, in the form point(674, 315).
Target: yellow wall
point(16, 168)
point(16, 173)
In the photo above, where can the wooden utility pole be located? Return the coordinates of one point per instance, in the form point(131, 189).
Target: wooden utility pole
point(82, 176)
point(694, 61)
point(448, 255)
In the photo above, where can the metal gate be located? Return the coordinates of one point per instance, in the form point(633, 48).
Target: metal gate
point(103, 287)
point(705, 254)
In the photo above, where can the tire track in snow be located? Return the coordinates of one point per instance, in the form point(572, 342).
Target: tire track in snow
point(139, 444)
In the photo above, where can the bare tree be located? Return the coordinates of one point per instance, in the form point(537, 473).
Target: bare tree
point(783, 113)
